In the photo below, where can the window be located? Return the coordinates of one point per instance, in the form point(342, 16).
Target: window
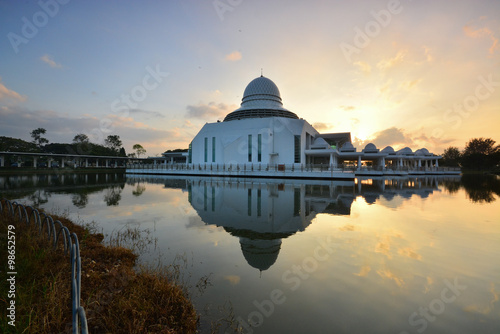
point(259, 147)
point(259, 199)
point(249, 148)
point(249, 202)
point(206, 149)
point(190, 154)
point(205, 198)
point(213, 199)
point(213, 149)
point(297, 149)
point(296, 201)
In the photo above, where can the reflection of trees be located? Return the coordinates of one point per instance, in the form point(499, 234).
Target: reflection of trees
point(481, 188)
point(38, 197)
point(451, 186)
point(80, 200)
point(113, 196)
point(139, 189)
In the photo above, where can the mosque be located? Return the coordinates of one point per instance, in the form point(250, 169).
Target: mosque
point(263, 132)
point(263, 139)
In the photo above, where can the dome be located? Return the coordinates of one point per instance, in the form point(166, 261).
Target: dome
point(388, 150)
point(262, 86)
point(370, 148)
point(319, 143)
point(261, 98)
point(347, 147)
point(405, 151)
point(422, 151)
point(260, 254)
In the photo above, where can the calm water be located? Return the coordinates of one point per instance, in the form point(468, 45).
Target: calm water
point(416, 255)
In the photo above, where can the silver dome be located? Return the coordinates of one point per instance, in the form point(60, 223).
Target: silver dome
point(261, 99)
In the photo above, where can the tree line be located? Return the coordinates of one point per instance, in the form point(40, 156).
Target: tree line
point(80, 144)
point(478, 154)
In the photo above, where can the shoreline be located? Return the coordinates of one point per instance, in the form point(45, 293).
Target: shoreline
point(117, 298)
point(32, 171)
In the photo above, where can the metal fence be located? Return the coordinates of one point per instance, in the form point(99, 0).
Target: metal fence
point(54, 230)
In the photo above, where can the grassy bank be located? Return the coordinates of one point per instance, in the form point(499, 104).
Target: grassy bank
point(116, 298)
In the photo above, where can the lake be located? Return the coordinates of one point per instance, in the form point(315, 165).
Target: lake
point(399, 255)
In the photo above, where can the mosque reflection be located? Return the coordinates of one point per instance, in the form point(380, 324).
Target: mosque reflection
point(263, 213)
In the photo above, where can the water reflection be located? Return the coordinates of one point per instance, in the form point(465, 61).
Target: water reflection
point(263, 213)
point(38, 189)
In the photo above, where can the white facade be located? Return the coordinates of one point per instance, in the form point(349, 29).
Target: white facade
point(261, 131)
point(270, 140)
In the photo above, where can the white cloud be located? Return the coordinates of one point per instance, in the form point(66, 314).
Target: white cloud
point(210, 111)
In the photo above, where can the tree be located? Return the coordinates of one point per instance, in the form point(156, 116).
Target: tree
point(113, 142)
point(37, 136)
point(484, 146)
point(451, 157)
point(81, 139)
point(481, 154)
point(139, 150)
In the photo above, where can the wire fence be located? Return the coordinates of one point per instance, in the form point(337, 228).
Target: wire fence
point(55, 229)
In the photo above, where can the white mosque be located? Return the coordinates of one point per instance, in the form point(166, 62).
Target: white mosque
point(263, 132)
point(263, 139)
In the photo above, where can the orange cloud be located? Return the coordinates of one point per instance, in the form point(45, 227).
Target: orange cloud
point(385, 64)
point(479, 33)
point(6, 93)
point(234, 56)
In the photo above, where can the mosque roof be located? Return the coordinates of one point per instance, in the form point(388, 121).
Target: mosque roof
point(261, 98)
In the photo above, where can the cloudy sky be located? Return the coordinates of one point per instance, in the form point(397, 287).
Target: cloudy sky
point(402, 73)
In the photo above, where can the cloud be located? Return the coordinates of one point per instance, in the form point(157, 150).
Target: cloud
point(389, 137)
point(322, 126)
point(149, 113)
point(385, 64)
point(410, 84)
point(233, 279)
point(208, 111)
point(427, 52)
point(365, 68)
point(347, 108)
point(480, 32)
point(8, 94)
point(233, 56)
point(52, 63)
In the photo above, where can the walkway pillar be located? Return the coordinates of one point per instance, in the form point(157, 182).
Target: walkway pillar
point(359, 162)
point(62, 162)
point(107, 163)
point(2, 161)
point(35, 162)
point(86, 162)
point(437, 163)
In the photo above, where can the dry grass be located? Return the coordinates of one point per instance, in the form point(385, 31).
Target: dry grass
point(115, 297)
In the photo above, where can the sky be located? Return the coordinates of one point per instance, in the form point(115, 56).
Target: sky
point(401, 73)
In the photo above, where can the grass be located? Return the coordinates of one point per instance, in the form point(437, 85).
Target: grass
point(116, 298)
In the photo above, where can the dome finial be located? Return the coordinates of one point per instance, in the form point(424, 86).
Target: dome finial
point(261, 71)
